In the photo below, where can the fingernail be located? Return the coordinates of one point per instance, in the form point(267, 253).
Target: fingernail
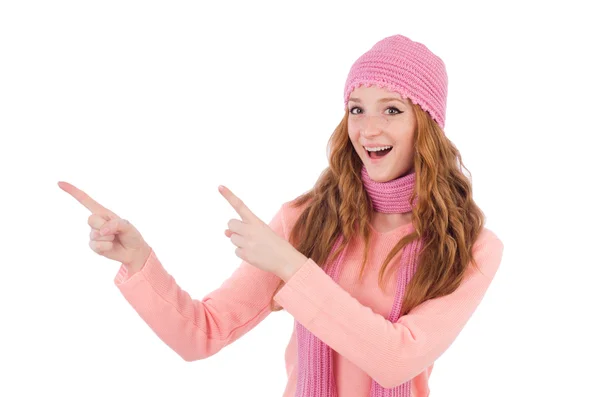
point(104, 231)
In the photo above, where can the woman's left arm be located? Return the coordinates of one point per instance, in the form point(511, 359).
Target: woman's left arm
point(391, 353)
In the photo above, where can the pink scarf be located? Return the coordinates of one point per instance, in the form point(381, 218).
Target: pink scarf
point(315, 372)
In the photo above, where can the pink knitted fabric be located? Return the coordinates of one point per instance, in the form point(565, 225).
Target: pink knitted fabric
point(390, 197)
point(315, 360)
point(406, 67)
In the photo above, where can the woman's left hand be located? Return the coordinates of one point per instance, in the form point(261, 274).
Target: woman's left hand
point(258, 244)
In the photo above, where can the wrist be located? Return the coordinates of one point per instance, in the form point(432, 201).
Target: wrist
point(138, 260)
point(293, 263)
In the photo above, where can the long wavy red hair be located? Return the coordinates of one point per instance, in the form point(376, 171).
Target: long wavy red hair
point(446, 217)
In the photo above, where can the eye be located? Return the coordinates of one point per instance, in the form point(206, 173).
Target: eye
point(395, 109)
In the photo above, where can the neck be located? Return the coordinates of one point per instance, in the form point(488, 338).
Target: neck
point(391, 197)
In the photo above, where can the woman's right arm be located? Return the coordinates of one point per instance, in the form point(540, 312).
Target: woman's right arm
point(196, 329)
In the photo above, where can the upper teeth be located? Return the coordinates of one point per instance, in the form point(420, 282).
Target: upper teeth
point(375, 149)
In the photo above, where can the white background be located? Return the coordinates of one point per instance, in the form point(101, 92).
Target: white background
point(149, 106)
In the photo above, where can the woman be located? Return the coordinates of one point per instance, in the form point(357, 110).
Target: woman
point(381, 264)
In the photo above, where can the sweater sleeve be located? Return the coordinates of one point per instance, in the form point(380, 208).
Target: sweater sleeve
point(196, 329)
point(391, 353)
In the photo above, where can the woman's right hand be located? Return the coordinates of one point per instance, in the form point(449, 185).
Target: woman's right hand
point(111, 236)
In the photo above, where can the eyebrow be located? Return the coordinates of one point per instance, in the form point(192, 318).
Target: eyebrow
point(381, 100)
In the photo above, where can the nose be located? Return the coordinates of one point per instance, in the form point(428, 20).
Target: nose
point(372, 125)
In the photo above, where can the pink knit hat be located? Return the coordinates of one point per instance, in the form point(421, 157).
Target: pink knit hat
point(406, 67)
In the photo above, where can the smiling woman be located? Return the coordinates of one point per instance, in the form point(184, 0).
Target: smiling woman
point(393, 169)
point(381, 263)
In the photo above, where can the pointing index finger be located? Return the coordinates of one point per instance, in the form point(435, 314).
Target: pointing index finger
point(84, 199)
point(237, 204)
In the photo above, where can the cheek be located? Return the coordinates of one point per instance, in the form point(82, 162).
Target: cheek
point(353, 132)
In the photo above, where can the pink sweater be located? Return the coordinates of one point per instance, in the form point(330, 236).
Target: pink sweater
point(349, 316)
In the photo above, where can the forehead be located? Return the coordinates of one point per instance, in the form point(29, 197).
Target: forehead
point(374, 94)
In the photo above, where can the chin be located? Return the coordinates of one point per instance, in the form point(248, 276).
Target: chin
point(383, 178)
point(384, 175)
point(379, 176)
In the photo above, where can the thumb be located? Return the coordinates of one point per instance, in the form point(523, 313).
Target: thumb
point(115, 226)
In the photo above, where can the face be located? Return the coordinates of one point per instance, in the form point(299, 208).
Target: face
point(379, 118)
